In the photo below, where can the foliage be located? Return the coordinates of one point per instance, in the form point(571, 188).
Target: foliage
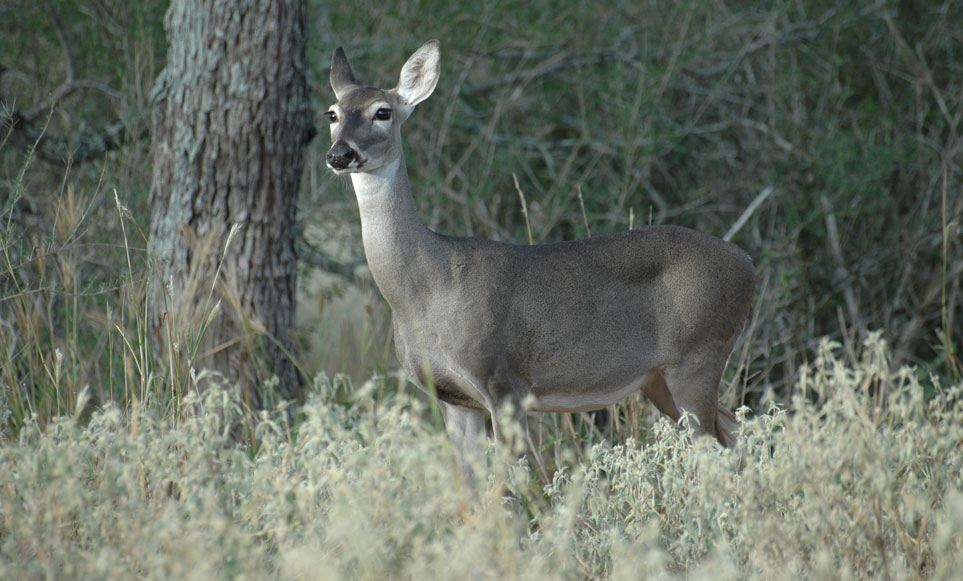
point(861, 481)
point(662, 112)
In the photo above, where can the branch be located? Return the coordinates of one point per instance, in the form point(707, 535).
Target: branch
point(62, 37)
point(324, 261)
point(842, 273)
point(20, 127)
point(794, 33)
point(89, 145)
point(747, 213)
point(551, 65)
point(63, 91)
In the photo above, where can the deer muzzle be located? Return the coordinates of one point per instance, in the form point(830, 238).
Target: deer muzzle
point(340, 156)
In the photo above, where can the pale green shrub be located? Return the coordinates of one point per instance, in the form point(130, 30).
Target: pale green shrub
point(861, 479)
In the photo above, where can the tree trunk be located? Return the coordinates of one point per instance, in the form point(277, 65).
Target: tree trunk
point(232, 118)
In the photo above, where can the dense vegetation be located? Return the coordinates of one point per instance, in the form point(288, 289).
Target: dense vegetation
point(828, 131)
point(862, 482)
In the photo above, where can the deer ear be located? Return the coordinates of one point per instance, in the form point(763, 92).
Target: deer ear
point(420, 74)
point(342, 78)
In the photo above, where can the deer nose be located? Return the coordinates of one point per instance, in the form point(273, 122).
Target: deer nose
point(340, 155)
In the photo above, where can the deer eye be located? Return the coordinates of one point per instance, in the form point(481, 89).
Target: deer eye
point(383, 114)
point(332, 116)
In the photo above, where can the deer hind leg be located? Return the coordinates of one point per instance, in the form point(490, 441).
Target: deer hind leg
point(694, 388)
point(467, 432)
point(511, 431)
point(656, 391)
point(515, 436)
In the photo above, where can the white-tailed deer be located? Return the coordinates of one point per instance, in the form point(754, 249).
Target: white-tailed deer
point(572, 326)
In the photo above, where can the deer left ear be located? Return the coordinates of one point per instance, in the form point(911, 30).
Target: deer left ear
point(420, 75)
point(342, 77)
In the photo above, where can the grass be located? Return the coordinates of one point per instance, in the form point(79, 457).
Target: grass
point(861, 479)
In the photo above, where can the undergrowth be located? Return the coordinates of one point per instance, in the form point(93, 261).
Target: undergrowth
point(861, 479)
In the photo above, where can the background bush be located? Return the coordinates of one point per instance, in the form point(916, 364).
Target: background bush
point(659, 112)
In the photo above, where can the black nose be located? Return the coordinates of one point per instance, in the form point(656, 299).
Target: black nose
point(340, 155)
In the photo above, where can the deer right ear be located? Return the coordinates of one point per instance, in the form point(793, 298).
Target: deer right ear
point(420, 74)
point(342, 78)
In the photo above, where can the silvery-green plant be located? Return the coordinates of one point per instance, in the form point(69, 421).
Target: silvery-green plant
point(860, 477)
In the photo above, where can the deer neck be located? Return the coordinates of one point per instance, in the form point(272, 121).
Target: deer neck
point(401, 251)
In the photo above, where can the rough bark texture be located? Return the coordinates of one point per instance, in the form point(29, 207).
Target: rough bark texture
point(232, 117)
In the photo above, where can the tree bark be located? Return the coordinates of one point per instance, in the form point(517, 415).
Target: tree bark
point(231, 120)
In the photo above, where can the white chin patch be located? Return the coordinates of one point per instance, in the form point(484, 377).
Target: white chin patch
point(354, 167)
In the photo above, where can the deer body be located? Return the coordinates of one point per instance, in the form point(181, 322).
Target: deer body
point(571, 326)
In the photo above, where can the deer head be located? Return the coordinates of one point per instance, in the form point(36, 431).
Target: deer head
point(366, 121)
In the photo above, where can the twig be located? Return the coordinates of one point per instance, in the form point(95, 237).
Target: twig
point(802, 32)
point(64, 91)
point(949, 346)
point(88, 146)
point(346, 269)
point(550, 66)
point(923, 73)
point(521, 196)
point(912, 328)
point(779, 140)
point(581, 203)
point(62, 37)
point(748, 212)
point(842, 274)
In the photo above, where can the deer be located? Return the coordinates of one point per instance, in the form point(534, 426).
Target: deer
point(492, 328)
